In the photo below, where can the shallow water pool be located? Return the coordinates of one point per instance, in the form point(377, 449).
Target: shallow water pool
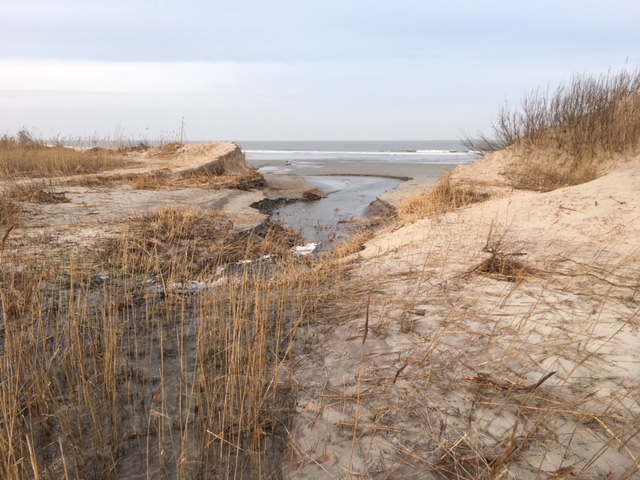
point(329, 219)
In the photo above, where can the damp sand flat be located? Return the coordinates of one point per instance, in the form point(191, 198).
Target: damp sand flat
point(416, 177)
point(347, 198)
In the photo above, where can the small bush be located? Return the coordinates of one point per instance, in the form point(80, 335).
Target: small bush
point(504, 253)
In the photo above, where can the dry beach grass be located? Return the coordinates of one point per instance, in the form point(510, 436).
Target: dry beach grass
point(155, 352)
point(570, 136)
point(489, 333)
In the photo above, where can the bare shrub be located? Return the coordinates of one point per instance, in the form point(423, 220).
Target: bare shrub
point(504, 254)
point(562, 138)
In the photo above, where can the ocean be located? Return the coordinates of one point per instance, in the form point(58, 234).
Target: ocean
point(447, 152)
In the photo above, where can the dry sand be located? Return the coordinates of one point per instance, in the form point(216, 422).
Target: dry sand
point(105, 201)
point(438, 380)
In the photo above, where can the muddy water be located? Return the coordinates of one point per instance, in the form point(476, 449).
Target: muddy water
point(330, 219)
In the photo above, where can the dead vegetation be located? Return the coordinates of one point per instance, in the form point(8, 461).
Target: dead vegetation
point(160, 353)
point(9, 211)
point(26, 156)
point(444, 197)
point(35, 191)
point(164, 180)
point(192, 243)
point(569, 136)
point(504, 261)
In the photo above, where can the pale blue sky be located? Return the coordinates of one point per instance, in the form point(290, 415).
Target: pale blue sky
point(294, 70)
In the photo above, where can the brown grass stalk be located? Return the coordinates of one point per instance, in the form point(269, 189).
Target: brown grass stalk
point(444, 197)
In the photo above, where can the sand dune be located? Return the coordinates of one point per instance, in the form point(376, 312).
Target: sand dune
point(440, 381)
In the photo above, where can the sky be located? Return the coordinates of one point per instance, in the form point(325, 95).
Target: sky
point(294, 69)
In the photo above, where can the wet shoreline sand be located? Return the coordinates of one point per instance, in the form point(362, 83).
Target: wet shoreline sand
point(416, 177)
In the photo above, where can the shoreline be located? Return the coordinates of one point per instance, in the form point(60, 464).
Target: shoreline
point(416, 177)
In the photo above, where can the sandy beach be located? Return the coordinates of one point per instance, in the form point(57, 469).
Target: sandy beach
point(410, 355)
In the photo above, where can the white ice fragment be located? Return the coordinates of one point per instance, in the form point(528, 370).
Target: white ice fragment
point(305, 249)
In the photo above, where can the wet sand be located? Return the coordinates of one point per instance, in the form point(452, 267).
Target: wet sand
point(416, 177)
point(347, 199)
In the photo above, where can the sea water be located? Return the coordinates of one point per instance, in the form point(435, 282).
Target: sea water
point(450, 152)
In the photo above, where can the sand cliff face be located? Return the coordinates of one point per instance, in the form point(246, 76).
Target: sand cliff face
point(219, 158)
point(213, 158)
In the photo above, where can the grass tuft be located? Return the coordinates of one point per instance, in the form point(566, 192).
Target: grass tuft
point(504, 254)
point(36, 191)
point(444, 197)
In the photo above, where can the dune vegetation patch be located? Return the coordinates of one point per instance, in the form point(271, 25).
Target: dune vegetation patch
point(161, 353)
point(36, 191)
point(165, 180)
point(192, 243)
point(23, 155)
point(505, 261)
point(444, 197)
point(570, 136)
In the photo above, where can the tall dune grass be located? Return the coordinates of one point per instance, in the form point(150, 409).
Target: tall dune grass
point(566, 137)
point(162, 353)
point(25, 155)
point(157, 355)
point(444, 197)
